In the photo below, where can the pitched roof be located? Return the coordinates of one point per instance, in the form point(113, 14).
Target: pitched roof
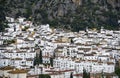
point(18, 71)
point(7, 68)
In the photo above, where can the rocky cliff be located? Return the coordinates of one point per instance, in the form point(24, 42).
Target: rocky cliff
point(70, 14)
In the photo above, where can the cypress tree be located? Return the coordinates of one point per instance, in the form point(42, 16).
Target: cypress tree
point(34, 63)
point(102, 74)
point(86, 74)
point(36, 60)
point(71, 41)
point(51, 61)
point(54, 55)
point(40, 58)
point(71, 75)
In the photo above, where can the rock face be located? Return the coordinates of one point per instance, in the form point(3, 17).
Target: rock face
point(65, 11)
point(78, 2)
point(52, 8)
point(57, 8)
point(114, 3)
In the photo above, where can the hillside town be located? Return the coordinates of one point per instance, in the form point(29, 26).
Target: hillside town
point(28, 50)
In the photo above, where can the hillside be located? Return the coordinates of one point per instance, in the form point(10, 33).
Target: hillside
point(70, 14)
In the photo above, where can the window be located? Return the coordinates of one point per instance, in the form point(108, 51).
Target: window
point(16, 54)
point(22, 62)
point(4, 62)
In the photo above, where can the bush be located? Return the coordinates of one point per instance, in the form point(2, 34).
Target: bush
point(44, 76)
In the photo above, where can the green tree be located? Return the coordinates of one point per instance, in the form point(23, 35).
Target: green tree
point(102, 74)
point(71, 75)
point(51, 61)
point(86, 74)
point(40, 57)
point(54, 55)
point(35, 63)
point(117, 71)
point(71, 41)
point(36, 60)
point(44, 76)
point(90, 14)
point(18, 14)
point(3, 22)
